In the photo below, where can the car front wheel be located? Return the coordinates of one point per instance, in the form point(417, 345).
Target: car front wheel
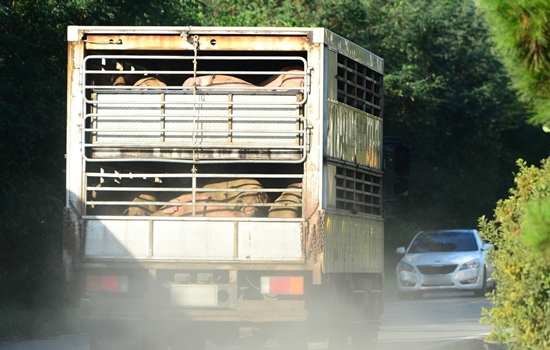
point(483, 290)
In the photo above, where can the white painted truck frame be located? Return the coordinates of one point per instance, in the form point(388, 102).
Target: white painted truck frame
point(155, 114)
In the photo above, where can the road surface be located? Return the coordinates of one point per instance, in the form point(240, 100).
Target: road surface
point(438, 321)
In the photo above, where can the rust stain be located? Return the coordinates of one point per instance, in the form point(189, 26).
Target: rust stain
point(207, 42)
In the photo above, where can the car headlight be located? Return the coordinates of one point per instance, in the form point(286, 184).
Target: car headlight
point(405, 267)
point(474, 264)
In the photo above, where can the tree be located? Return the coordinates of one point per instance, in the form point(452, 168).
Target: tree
point(449, 98)
point(521, 304)
point(31, 150)
point(521, 30)
point(521, 227)
point(522, 33)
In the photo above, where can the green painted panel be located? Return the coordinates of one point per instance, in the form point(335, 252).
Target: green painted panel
point(353, 244)
point(354, 136)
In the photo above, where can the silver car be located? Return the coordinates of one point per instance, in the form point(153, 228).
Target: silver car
point(445, 260)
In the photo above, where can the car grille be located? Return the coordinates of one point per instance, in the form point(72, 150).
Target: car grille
point(436, 270)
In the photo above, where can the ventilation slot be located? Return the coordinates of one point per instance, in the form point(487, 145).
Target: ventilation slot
point(358, 191)
point(359, 86)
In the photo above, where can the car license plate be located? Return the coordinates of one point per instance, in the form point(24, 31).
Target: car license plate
point(437, 280)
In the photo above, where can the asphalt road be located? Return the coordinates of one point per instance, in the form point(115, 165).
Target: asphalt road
point(438, 321)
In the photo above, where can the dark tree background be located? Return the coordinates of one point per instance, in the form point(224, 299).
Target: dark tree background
point(446, 95)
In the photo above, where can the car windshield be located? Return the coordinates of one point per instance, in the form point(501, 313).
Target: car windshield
point(449, 241)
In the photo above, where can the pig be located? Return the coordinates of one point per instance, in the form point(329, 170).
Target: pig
point(217, 81)
point(286, 80)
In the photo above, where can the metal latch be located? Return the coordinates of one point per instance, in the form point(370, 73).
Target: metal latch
point(110, 42)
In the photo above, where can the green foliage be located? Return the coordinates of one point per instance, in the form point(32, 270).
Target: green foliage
point(448, 96)
point(521, 303)
point(346, 17)
point(31, 150)
point(138, 12)
point(535, 228)
point(268, 13)
point(521, 31)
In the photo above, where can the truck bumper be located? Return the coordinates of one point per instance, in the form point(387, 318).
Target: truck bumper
point(242, 311)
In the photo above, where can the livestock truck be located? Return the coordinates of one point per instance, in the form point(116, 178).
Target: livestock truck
point(224, 184)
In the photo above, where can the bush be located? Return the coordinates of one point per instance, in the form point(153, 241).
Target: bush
point(521, 302)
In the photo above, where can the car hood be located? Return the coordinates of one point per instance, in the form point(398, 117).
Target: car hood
point(446, 258)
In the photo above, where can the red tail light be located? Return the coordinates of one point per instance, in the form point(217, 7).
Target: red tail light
point(111, 284)
point(282, 285)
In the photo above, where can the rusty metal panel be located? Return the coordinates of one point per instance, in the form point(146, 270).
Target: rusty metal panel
point(206, 42)
point(354, 136)
point(349, 49)
point(353, 244)
point(332, 71)
point(331, 186)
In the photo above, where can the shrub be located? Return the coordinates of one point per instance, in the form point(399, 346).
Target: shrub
point(521, 302)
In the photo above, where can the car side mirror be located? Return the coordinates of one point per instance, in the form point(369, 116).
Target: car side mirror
point(401, 250)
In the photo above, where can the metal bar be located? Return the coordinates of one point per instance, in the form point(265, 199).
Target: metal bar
point(260, 91)
point(163, 119)
point(188, 204)
point(235, 239)
point(201, 161)
point(188, 218)
point(198, 175)
point(230, 118)
point(150, 238)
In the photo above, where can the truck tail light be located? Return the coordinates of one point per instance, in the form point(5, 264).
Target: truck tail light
point(112, 284)
point(282, 285)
